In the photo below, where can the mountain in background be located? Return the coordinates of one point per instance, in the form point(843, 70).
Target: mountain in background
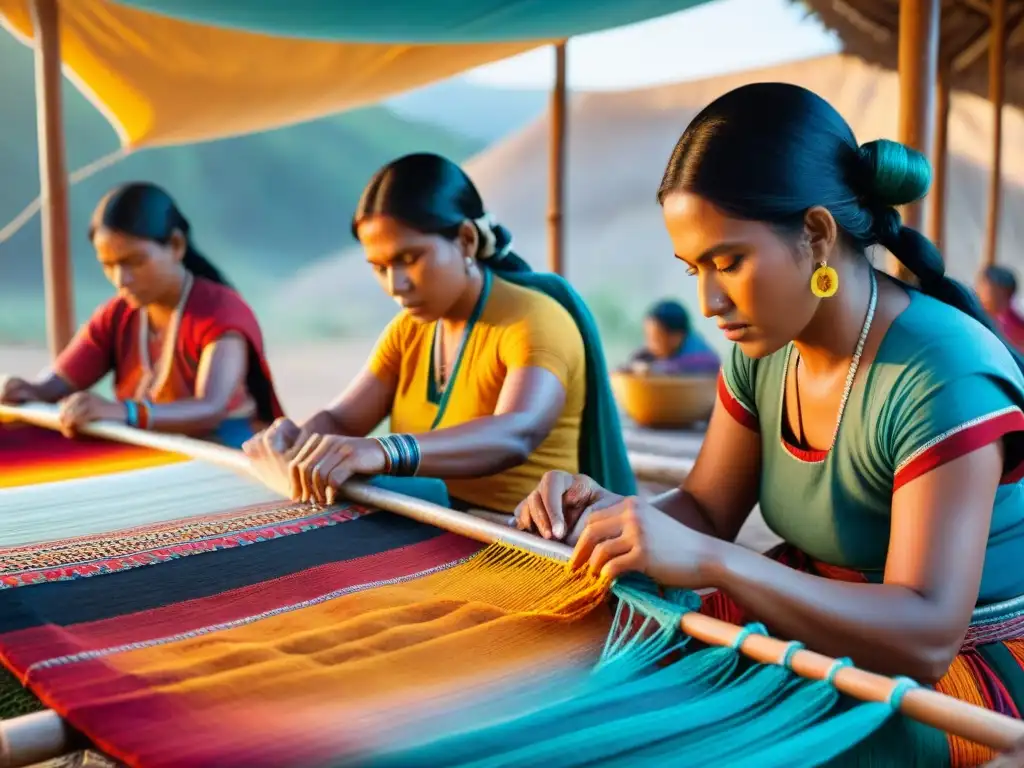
point(486, 114)
point(617, 251)
point(261, 205)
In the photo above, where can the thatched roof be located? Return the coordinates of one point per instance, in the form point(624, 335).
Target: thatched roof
point(870, 29)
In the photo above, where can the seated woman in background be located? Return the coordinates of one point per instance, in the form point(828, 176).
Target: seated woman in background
point(880, 427)
point(997, 288)
point(185, 349)
point(491, 375)
point(672, 346)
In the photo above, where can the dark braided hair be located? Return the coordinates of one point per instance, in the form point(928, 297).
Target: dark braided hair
point(770, 151)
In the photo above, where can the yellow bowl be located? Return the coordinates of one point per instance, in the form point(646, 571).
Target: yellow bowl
point(665, 402)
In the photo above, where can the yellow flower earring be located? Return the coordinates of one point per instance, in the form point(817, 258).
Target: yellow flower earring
point(824, 281)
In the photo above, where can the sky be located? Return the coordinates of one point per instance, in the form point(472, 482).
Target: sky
point(719, 37)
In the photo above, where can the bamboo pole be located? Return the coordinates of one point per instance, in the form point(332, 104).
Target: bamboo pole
point(556, 170)
point(996, 81)
point(34, 738)
point(940, 161)
point(918, 65)
point(666, 470)
point(957, 717)
point(53, 176)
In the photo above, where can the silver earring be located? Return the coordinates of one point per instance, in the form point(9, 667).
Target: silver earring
point(469, 265)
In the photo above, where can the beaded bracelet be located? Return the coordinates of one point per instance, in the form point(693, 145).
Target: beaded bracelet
point(401, 454)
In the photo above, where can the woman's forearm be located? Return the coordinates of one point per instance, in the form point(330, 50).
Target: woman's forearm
point(187, 417)
point(478, 448)
point(886, 628)
point(682, 507)
point(52, 388)
point(325, 423)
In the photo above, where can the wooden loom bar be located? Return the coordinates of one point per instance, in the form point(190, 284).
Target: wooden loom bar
point(996, 82)
point(34, 738)
point(666, 470)
point(983, 726)
point(918, 65)
point(556, 170)
point(53, 176)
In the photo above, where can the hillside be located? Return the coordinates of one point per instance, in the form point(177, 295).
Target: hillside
point(486, 114)
point(618, 253)
point(262, 205)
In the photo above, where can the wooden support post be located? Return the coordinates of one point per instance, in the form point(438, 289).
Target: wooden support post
point(996, 74)
point(53, 177)
point(940, 161)
point(918, 67)
point(556, 177)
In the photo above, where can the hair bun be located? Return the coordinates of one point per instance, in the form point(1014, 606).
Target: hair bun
point(894, 174)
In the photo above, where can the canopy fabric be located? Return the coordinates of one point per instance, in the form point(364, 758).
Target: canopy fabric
point(416, 21)
point(163, 81)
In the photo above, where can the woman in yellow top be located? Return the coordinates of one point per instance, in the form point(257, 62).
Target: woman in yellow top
point(491, 375)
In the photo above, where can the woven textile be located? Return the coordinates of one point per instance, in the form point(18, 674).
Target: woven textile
point(113, 630)
point(271, 635)
point(41, 466)
point(30, 456)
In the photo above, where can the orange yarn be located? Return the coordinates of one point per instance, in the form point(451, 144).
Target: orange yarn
point(489, 619)
point(959, 683)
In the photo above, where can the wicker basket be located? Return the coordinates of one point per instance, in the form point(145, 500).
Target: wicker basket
point(666, 402)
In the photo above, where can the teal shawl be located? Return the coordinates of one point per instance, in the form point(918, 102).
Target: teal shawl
point(602, 450)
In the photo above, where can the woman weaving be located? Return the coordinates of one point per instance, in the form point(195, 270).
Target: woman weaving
point(185, 348)
point(491, 374)
point(878, 425)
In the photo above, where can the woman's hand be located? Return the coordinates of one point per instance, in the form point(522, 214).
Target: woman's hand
point(324, 462)
point(280, 438)
point(83, 408)
point(15, 391)
point(632, 535)
point(559, 505)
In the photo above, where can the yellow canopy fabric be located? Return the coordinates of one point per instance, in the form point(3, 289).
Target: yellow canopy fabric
point(162, 81)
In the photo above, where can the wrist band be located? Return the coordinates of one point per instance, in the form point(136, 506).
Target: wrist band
point(131, 413)
point(401, 454)
point(145, 414)
point(137, 414)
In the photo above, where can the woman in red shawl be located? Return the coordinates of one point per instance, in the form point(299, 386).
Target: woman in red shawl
point(185, 349)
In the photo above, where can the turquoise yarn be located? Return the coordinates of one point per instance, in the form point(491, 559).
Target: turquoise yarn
point(903, 684)
point(713, 706)
point(747, 631)
point(787, 656)
point(838, 664)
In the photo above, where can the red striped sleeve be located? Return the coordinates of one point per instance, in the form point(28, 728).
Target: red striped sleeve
point(735, 406)
point(961, 440)
point(90, 355)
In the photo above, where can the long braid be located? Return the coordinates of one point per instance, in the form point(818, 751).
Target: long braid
point(895, 173)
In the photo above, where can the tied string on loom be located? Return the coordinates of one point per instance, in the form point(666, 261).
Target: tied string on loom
point(634, 711)
point(640, 702)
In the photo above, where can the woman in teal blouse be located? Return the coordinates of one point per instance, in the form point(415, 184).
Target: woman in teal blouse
point(879, 426)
